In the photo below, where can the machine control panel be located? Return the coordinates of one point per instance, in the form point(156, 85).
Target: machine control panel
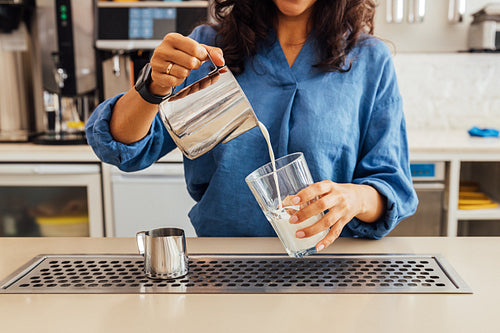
point(142, 25)
point(427, 171)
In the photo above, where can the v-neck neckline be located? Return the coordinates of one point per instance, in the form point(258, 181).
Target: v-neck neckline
point(302, 57)
point(292, 52)
point(299, 55)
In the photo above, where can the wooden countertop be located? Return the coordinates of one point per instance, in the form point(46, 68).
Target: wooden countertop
point(477, 261)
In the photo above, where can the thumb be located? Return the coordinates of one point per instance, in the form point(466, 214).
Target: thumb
point(216, 55)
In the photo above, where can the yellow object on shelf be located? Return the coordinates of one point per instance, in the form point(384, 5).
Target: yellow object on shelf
point(76, 124)
point(469, 197)
point(478, 206)
point(468, 186)
point(472, 195)
point(474, 201)
point(64, 226)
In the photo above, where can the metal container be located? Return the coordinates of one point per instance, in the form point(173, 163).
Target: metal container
point(164, 251)
point(210, 111)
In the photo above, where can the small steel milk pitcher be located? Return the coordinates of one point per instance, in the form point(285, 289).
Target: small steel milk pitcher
point(209, 111)
point(164, 252)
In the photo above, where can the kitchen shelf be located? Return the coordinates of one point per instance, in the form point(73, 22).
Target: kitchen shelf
point(479, 214)
point(156, 4)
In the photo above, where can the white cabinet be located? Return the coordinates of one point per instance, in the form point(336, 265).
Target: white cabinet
point(157, 197)
point(51, 199)
point(480, 222)
point(152, 198)
point(483, 169)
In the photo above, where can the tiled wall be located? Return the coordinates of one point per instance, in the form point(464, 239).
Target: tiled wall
point(450, 90)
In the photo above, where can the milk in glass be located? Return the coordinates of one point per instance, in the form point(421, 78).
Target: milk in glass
point(279, 217)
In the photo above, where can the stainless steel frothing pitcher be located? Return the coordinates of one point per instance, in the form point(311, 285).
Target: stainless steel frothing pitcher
point(210, 111)
point(164, 252)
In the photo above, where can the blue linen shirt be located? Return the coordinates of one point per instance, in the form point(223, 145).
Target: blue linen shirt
point(350, 127)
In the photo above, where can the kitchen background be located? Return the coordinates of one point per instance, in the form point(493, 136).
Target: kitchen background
point(53, 187)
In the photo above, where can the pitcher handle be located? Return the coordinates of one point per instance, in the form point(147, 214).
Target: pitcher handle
point(140, 237)
point(216, 68)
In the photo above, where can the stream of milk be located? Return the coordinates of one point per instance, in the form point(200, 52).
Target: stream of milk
point(265, 133)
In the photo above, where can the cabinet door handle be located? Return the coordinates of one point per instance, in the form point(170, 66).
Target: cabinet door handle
point(428, 186)
point(49, 169)
point(66, 169)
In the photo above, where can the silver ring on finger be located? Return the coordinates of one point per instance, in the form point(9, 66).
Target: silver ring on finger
point(169, 68)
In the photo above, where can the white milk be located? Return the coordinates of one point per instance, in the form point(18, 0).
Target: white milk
point(280, 218)
point(286, 230)
point(265, 133)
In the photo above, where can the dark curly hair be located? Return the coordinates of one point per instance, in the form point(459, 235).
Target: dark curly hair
point(338, 24)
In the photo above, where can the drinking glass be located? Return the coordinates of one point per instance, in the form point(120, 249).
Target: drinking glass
point(271, 187)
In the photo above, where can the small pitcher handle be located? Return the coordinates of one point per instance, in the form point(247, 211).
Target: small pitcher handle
point(216, 68)
point(140, 236)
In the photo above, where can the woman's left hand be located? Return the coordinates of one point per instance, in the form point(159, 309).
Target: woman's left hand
point(343, 202)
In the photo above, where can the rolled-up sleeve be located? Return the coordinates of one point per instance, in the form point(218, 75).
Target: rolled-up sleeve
point(384, 165)
point(383, 161)
point(127, 157)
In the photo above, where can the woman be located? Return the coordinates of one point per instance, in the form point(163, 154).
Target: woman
point(319, 82)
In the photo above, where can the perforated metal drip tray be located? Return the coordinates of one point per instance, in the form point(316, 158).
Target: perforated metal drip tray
point(252, 273)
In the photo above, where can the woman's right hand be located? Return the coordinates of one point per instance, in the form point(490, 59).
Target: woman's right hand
point(178, 55)
point(174, 58)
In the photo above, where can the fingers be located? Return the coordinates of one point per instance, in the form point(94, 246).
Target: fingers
point(215, 54)
point(337, 222)
point(178, 55)
point(290, 211)
point(313, 200)
point(175, 77)
point(318, 198)
point(182, 63)
point(313, 191)
point(175, 41)
point(287, 201)
point(314, 208)
point(331, 236)
point(329, 219)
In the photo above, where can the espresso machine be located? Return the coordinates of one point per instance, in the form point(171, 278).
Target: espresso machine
point(128, 32)
point(65, 75)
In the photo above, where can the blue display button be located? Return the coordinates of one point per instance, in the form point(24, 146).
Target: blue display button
point(169, 13)
point(147, 13)
point(423, 170)
point(135, 13)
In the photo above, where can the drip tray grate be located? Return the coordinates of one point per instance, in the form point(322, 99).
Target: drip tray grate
point(247, 273)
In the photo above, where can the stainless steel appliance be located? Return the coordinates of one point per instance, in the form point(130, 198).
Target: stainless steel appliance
point(128, 32)
point(16, 100)
point(64, 39)
point(429, 182)
point(484, 31)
